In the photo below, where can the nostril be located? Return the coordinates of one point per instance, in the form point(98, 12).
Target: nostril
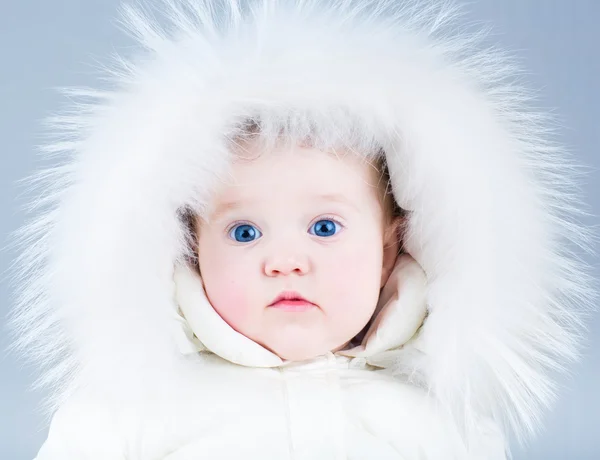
point(285, 266)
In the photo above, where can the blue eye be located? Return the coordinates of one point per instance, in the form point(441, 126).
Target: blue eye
point(244, 233)
point(324, 228)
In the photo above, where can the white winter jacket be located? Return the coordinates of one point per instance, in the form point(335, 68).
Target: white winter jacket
point(137, 365)
point(340, 406)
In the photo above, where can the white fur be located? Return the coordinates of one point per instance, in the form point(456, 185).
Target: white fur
point(493, 200)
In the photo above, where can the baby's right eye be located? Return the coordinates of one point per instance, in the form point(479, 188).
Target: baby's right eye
point(244, 233)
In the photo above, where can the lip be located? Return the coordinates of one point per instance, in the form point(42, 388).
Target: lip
point(291, 301)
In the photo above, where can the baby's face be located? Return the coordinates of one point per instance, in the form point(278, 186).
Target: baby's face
point(302, 222)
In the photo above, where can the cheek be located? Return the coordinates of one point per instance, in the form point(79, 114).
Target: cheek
point(226, 282)
point(353, 279)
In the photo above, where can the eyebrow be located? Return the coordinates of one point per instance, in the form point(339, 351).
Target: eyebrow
point(228, 206)
point(336, 198)
point(224, 208)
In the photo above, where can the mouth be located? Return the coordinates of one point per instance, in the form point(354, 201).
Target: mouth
point(292, 302)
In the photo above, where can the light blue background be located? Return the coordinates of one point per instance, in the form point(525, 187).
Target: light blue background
point(45, 44)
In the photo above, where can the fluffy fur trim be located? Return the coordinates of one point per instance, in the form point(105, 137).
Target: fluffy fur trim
point(493, 200)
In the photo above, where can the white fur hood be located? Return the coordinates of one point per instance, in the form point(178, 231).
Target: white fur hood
point(492, 201)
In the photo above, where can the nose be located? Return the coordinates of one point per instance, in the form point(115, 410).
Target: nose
point(282, 264)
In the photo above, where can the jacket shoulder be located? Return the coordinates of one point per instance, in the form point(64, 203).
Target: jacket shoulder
point(83, 429)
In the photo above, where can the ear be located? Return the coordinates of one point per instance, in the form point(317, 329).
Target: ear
point(391, 247)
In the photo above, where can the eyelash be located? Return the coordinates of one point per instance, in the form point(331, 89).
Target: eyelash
point(327, 217)
point(237, 223)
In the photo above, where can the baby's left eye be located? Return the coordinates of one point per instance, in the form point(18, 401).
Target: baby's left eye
point(324, 228)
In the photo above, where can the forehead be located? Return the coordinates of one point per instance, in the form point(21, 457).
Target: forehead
point(325, 170)
point(298, 173)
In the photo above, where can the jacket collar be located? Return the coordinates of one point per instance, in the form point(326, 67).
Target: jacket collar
point(399, 314)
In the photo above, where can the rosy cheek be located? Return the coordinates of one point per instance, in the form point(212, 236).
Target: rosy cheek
point(353, 279)
point(227, 291)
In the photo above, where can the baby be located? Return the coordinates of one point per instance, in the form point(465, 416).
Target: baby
point(298, 282)
point(295, 250)
point(312, 230)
